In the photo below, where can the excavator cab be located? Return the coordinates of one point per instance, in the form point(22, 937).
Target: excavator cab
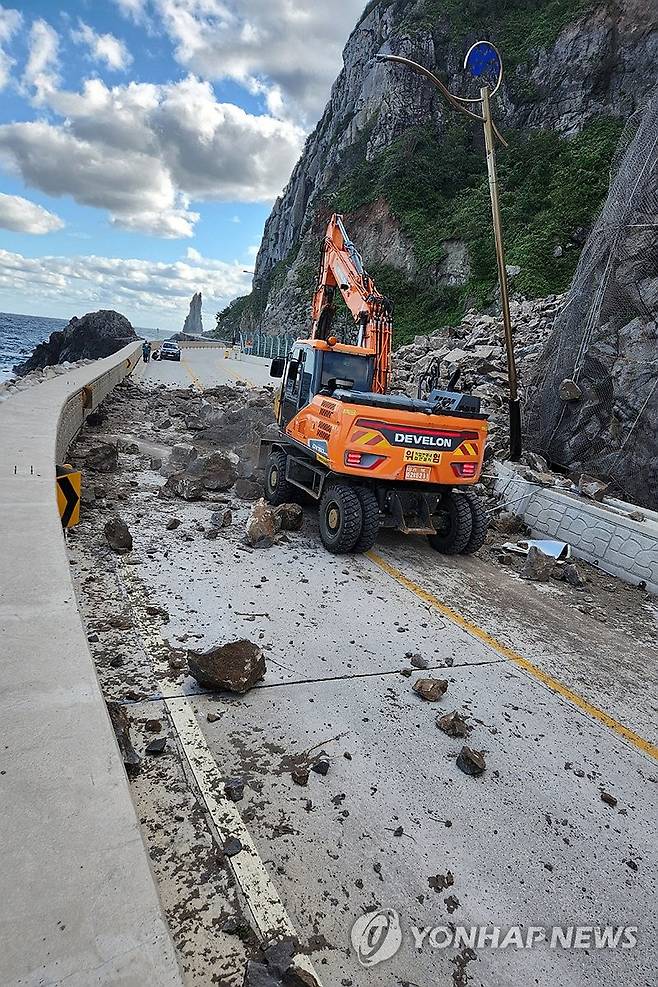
point(318, 367)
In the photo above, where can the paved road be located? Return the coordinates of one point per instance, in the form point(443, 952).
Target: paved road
point(559, 701)
point(205, 367)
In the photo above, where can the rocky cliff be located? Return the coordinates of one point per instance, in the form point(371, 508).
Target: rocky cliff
point(95, 335)
point(193, 324)
point(409, 174)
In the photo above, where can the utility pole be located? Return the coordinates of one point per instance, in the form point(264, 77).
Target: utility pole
point(481, 59)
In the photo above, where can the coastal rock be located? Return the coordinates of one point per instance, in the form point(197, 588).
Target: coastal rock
point(193, 324)
point(95, 335)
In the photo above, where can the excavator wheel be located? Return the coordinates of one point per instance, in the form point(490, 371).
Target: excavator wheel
point(341, 518)
point(277, 488)
point(480, 522)
point(370, 527)
point(454, 524)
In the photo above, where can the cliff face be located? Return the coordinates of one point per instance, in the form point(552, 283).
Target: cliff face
point(409, 173)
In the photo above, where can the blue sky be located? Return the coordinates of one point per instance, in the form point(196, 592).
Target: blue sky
point(143, 142)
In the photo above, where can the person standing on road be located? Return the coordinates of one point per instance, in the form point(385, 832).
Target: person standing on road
point(146, 351)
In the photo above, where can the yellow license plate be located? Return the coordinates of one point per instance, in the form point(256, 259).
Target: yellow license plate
point(419, 456)
point(417, 472)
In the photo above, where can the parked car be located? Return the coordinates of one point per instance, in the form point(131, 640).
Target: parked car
point(170, 351)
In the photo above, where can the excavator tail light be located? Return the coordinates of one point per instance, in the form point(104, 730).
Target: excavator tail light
point(332, 340)
point(464, 469)
point(363, 460)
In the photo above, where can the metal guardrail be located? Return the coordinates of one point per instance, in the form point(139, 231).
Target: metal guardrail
point(267, 344)
point(83, 401)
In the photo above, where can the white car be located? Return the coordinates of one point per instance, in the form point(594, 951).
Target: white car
point(169, 351)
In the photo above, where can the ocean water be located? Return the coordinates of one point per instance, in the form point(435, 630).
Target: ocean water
point(19, 334)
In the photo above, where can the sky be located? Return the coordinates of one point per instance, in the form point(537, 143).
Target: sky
point(143, 143)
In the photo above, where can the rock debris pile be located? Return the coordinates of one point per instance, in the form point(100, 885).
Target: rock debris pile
point(476, 349)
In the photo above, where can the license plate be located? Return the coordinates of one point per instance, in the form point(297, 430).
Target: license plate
point(417, 472)
point(420, 456)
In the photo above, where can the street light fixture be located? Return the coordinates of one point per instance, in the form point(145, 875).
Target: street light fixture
point(482, 60)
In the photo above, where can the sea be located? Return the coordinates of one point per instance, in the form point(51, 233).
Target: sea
point(19, 334)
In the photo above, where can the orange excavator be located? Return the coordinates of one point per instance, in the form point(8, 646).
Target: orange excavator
point(369, 458)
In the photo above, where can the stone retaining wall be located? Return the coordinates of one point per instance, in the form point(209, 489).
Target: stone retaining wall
point(619, 538)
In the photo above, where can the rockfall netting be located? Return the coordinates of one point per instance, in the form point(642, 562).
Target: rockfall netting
point(593, 401)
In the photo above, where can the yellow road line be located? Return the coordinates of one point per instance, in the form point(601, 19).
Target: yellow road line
point(645, 746)
point(195, 380)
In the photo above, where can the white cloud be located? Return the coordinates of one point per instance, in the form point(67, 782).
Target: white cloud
point(145, 291)
point(135, 10)
point(42, 69)
point(10, 21)
point(23, 216)
point(143, 151)
point(104, 48)
point(235, 219)
point(192, 254)
point(289, 50)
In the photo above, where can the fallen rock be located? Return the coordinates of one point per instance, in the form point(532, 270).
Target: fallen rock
point(430, 689)
point(248, 489)
point(232, 847)
point(257, 975)
point(510, 524)
point(569, 573)
point(216, 472)
point(440, 882)
point(453, 724)
point(183, 486)
point(117, 535)
point(263, 525)
point(103, 458)
point(471, 762)
point(173, 523)
point(156, 746)
point(537, 566)
point(569, 390)
point(235, 667)
point(221, 519)
point(300, 776)
point(608, 799)
point(417, 660)
point(234, 789)
point(321, 767)
point(590, 487)
point(121, 724)
point(291, 516)
point(153, 726)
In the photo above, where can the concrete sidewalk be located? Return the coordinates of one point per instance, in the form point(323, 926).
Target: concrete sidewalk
point(79, 904)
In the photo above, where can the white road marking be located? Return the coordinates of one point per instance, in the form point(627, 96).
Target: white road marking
point(260, 896)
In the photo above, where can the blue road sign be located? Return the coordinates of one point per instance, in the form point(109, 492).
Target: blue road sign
point(483, 59)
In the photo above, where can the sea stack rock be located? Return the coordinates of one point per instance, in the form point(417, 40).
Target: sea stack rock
point(95, 335)
point(193, 323)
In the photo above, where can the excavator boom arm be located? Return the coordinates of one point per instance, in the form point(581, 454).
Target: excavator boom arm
point(342, 268)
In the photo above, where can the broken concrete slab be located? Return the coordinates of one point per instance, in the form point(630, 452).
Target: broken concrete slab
point(234, 667)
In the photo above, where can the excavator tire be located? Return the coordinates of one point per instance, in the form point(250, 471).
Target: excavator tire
point(480, 523)
point(341, 518)
point(370, 527)
point(456, 525)
point(277, 489)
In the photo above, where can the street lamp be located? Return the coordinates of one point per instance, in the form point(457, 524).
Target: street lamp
point(483, 59)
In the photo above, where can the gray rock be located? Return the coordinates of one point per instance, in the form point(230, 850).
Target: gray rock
point(537, 566)
point(569, 390)
point(117, 535)
point(193, 324)
point(234, 667)
point(248, 489)
point(104, 458)
point(590, 487)
point(430, 689)
point(95, 335)
point(183, 486)
point(291, 516)
point(263, 525)
point(121, 724)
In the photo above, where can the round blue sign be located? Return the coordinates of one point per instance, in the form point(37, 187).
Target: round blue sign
point(483, 60)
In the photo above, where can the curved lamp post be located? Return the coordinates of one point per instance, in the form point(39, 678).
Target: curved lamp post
point(483, 59)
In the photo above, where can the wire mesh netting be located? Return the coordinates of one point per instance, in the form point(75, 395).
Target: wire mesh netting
point(605, 339)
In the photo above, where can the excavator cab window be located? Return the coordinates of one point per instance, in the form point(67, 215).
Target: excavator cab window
point(297, 383)
point(347, 367)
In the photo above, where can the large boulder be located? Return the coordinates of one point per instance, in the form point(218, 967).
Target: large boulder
point(95, 335)
point(236, 666)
